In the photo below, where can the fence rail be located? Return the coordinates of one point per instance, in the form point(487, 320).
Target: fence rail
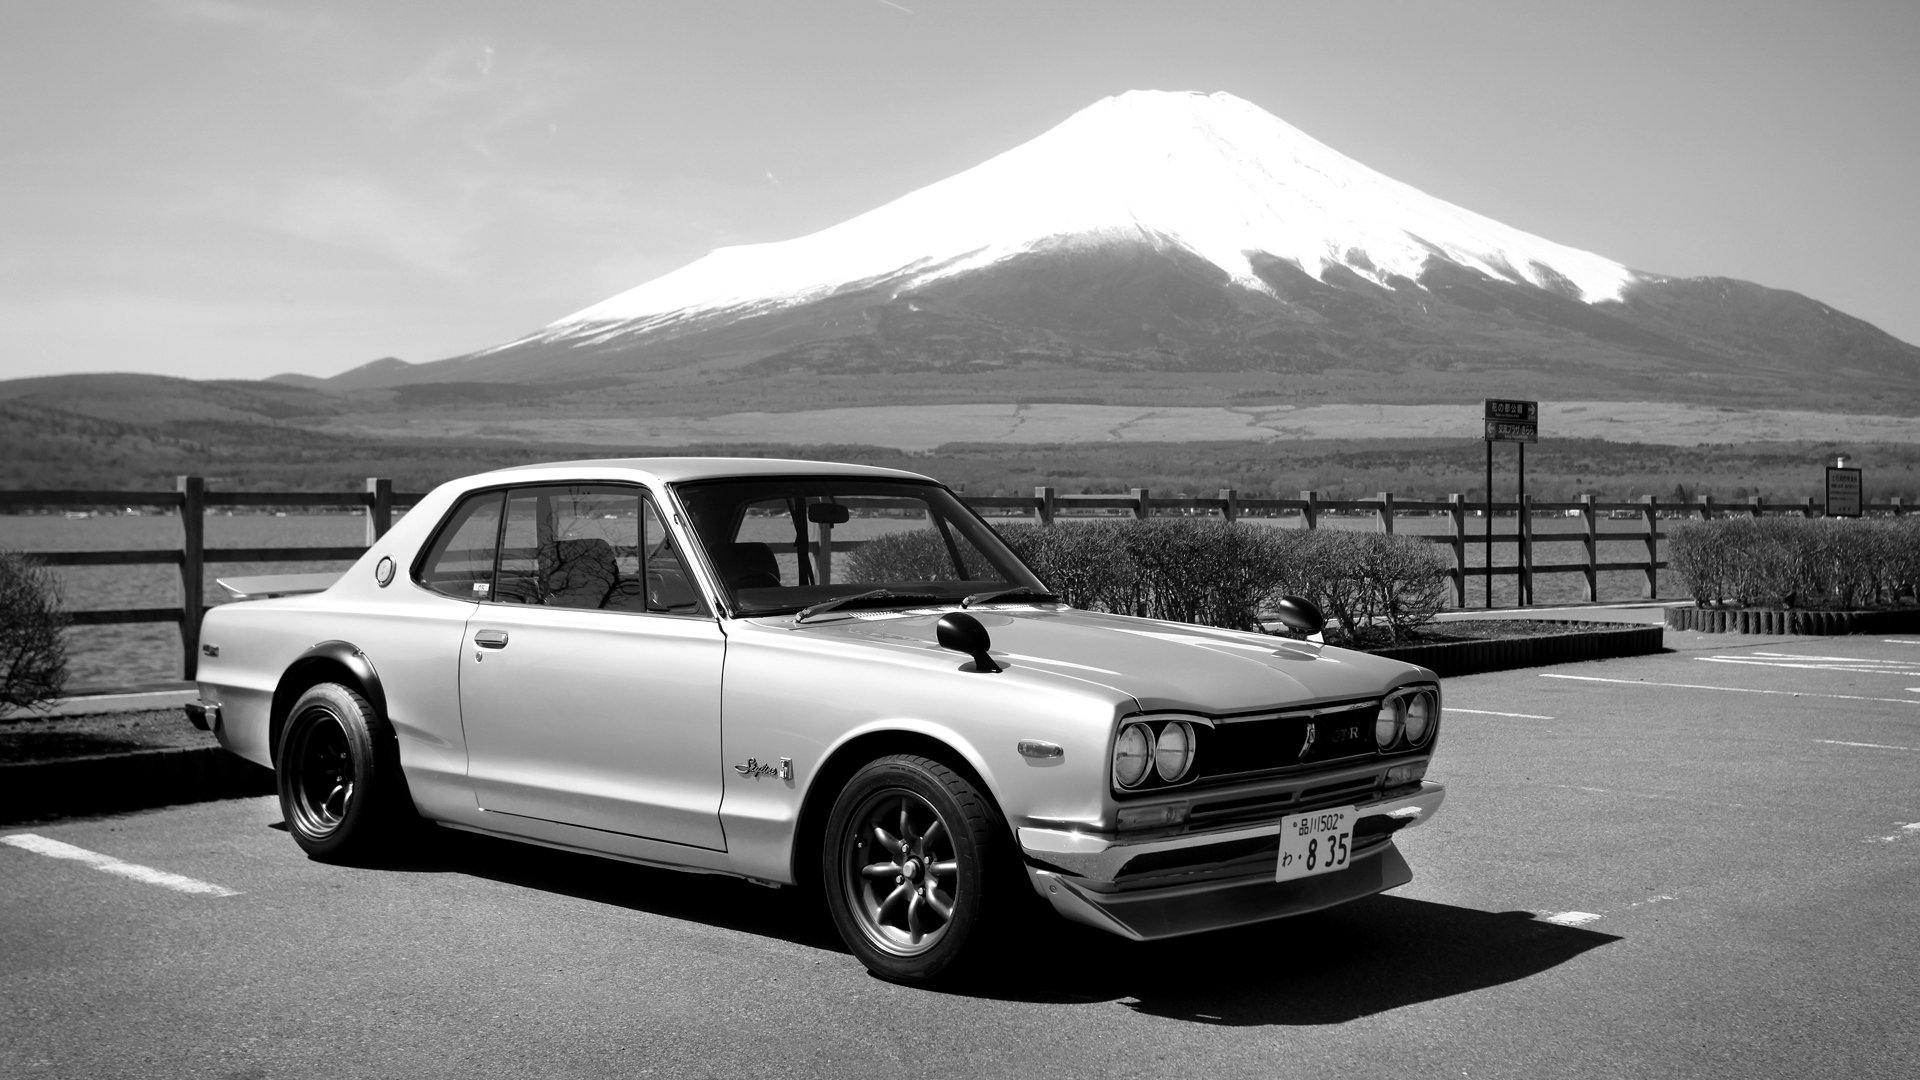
point(1046, 506)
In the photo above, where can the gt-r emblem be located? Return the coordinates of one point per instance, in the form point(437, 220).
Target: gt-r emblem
point(753, 769)
point(1308, 744)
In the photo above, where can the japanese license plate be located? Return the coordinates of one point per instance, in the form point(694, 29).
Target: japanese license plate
point(1316, 843)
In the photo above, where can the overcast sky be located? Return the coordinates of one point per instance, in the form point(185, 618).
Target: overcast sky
point(224, 189)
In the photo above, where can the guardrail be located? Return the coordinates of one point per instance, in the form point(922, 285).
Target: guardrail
point(191, 499)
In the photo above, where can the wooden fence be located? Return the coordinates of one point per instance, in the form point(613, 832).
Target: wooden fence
point(191, 499)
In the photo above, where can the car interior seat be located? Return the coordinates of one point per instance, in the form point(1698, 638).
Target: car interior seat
point(750, 565)
point(582, 574)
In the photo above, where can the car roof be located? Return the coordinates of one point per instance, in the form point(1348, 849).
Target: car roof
point(676, 469)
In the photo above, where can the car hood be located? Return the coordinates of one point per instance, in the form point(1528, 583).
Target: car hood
point(1162, 665)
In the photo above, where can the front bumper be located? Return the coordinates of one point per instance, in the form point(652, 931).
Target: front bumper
point(1185, 884)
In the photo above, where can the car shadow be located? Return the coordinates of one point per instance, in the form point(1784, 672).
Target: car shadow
point(713, 899)
point(1367, 957)
point(1356, 960)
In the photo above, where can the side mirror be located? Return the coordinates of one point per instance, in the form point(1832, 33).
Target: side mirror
point(1300, 615)
point(828, 513)
point(963, 633)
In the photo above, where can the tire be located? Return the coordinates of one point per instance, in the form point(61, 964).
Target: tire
point(911, 865)
point(338, 772)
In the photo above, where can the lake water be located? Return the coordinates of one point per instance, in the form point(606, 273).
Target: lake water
point(112, 656)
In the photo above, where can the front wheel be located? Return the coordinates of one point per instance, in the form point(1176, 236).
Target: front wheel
point(339, 775)
point(908, 867)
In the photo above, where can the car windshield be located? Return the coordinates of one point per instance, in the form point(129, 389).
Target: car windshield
point(781, 544)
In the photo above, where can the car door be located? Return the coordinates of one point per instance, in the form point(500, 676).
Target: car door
point(590, 676)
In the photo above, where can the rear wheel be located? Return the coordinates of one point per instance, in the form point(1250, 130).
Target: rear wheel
point(909, 868)
point(339, 775)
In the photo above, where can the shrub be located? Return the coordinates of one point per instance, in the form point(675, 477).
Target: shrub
point(1372, 586)
point(1837, 563)
point(33, 655)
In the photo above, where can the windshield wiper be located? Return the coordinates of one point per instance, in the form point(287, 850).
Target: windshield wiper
point(1023, 592)
point(887, 597)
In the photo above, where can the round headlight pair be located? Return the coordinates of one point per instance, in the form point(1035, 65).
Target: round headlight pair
point(1168, 754)
point(1420, 711)
point(1410, 715)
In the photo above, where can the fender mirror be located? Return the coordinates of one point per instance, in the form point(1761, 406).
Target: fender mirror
point(963, 633)
point(1300, 615)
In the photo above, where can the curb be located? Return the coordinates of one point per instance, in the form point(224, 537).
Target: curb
point(1452, 658)
point(1792, 621)
point(139, 780)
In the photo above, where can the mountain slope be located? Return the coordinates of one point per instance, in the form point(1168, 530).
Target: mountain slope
point(1183, 233)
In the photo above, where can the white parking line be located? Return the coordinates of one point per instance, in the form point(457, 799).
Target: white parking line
point(1819, 663)
point(1728, 689)
point(1490, 712)
point(1646, 795)
point(54, 849)
point(1897, 641)
point(1571, 918)
point(1865, 745)
point(1906, 832)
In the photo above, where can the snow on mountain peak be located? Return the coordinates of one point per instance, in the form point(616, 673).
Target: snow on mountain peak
point(1209, 173)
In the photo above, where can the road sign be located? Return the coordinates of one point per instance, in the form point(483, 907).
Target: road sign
point(1512, 420)
point(1843, 492)
point(1513, 409)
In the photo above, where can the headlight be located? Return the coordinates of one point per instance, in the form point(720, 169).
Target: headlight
point(1132, 753)
point(1393, 717)
point(1173, 752)
point(1420, 710)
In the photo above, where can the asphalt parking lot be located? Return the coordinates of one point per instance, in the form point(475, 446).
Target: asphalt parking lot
point(1701, 863)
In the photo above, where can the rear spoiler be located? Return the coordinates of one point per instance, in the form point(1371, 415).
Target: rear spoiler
point(259, 588)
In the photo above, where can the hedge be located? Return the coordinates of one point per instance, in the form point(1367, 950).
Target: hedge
point(1372, 586)
point(1819, 563)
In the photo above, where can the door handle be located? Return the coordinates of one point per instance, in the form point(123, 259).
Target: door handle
point(491, 639)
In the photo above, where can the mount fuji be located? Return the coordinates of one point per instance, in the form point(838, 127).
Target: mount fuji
point(1157, 240)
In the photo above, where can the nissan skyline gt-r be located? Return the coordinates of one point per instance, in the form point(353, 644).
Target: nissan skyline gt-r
point(823, 675)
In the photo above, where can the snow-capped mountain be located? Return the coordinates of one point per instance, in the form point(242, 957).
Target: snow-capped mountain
point(1181, 234)
point(1210, 175)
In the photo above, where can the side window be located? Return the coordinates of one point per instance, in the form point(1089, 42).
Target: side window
point(460, 563)
point(599, 547)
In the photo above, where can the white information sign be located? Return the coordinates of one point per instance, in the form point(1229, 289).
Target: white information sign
point(1843, 492)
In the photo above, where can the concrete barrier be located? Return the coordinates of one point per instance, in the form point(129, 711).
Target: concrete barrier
point(1792, 621)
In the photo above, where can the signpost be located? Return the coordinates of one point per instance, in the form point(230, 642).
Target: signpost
point(1516, 421)
point(1844, 494)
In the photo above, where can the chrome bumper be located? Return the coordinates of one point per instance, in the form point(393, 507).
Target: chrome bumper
point(1080, 874)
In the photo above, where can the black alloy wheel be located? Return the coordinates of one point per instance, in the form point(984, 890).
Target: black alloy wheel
point(339, 775)
point(906, 866)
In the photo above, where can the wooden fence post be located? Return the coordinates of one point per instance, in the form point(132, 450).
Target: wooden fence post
point(1754, 507)
point(1230, 505)
point(379, 508)
point(1043, 504)
point(1525, 536)
point(1703, 505)
point(1386, 512)
point(1806, 507)
point(1141, 509)
point(1648, 519)
point(1457, 510)
point(1310, 513)
point(1592, 521)
point(1899, 507)
point(193, 565)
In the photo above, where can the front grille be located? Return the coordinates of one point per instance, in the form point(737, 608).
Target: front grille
point(1243, 748)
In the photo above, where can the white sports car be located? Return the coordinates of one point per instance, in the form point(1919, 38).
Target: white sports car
point(828, 675)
